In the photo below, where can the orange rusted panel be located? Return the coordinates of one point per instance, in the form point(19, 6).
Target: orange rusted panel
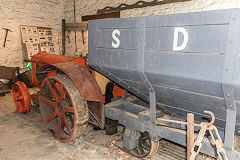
point(76, 69)
point(87, 87)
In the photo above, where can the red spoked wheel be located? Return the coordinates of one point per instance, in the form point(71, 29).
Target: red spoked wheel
point(63, 111)
point(21, 97)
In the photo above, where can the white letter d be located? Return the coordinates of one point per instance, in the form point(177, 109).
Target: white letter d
point(175, 41)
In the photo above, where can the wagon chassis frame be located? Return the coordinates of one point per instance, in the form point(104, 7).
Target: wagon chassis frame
point(138, 118)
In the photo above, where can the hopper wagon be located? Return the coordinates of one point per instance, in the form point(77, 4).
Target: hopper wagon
point(174, 64)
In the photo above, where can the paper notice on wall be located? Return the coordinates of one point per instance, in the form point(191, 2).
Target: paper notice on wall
point(46, 40)
point(37, 39)
point(35, 49)
point(35, 35)
point(24, 34)
point(48, 32)
point(29, 49)
point(51, 49)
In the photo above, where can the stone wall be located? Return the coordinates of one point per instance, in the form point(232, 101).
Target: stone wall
point(13, 13)
point(49, 13)
point(90, 7)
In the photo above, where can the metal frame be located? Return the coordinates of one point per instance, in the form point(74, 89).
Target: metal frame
point(139, 118)
point(152, 94)
point(228, 72)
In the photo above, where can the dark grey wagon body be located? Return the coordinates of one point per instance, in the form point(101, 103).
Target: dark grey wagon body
point(204, 75)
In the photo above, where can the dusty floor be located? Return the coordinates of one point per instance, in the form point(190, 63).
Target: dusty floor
point(23, 137)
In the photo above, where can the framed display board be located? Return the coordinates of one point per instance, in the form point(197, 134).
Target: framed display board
point(35, 39)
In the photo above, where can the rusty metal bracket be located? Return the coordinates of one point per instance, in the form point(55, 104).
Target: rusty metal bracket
point(190, 128)
point(190, 134)
point(139, 4)
point(186, 123)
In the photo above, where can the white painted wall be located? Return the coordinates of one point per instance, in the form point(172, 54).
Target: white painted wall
point(13, 13)
point(89, 7)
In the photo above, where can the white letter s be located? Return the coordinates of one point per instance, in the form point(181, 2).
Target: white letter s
point(116, 45)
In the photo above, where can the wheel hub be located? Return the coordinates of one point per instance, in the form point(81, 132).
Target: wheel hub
point(21, 97)
point(60, 108)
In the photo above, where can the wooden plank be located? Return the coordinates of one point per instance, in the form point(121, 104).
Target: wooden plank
point(7, 72)
point(139, 4)
point(101, 16)
point(27, 59)
point(76, 26)
point(63, 36)
point(101, 80)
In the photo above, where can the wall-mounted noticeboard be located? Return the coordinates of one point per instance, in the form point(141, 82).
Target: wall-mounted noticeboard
point(35, 39)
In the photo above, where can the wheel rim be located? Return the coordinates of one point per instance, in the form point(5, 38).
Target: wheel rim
point(21, 97)
point(145, 147)
point(154, 148)
point(57, 109)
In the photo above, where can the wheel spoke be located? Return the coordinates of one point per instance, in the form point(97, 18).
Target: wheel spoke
point(144, 137)
point(61, 93)
point(140, 149)
point(51, 103)
point(67, 125)
point(59, 126)
point(136, 151)
point(56, 89)
point(146, 146)
point(51, 89)
point(68, 109)
point(54, 114)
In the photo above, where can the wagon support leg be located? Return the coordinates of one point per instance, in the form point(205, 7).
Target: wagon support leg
point(152, 97)
point(190, 133)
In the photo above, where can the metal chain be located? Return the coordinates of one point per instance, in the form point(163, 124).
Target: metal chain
point(218, 142)
point(198, 142)
point(215, 141)
point(204, 128)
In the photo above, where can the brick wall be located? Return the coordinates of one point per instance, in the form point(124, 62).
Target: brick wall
point(47, 13)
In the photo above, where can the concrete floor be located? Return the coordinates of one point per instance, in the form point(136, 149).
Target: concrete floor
point(23, 137)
